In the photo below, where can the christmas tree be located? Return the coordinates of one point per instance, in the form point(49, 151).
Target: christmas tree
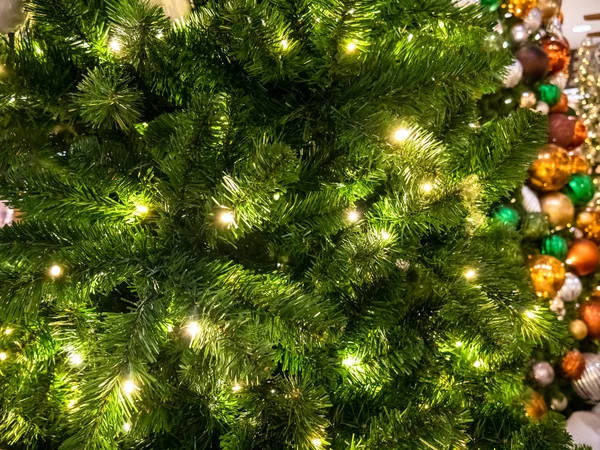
point(264, 225)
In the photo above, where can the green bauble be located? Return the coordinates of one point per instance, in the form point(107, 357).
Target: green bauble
point(550, 93)
point(507, 215)
point(492, 4)
point(580, 189)
point(556, 246)
point(535, 226)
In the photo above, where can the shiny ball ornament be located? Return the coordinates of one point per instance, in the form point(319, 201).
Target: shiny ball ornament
point(559, 208)
point(531, 202)
point(579, 163)
point(550, 93)
point(519, 33)
point(536, 407)
point(547, 275)
point(559, 403)
point(566, 131)
point(513, 75)
point(571, 289)
point(578, 329)
point(543, 373)
point(560, 79)
point(559, 54)
point(562, 106)
point(583, 259)
point(551, 170)
point(549, 9)
point(492, 4)
point(590, 314)
point(519, 8)
point(580, 134)
point(587, 385)
point(534, 61)
point(527, 100)
point(573, 364)
point(556, 246)
point(580, 189)
point(534, 226)
point(543, 108)
point(589, 222)
point(12, 15)
point(533, 20)
point(508, 216)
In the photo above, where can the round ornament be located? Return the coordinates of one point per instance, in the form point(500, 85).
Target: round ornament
point(566, 131)
point(573, 364)
point(562, 106)
point(534, 61)
point(543, 373)
point(12, 15)
point(549, 9)
point(547, 275)
point(536, 407)
point(590, 314)
point(492, 4)
point(559, 54)
point(580, 134)
point(550, 93)
point(557, 304)
point(559, 403)
point(587, 385)
point(507, 215)
point(578, 329)
point(519, 33)
point(560, 79)
point(571, 289)
point(589, 222)
point(583, 259)
point(579, 163)
point(519, 8)
point(580, 189)
point(543, 108)
point(514, 74)
point(533, 20)
point(551, 170)
point(527, 100)
point(531, 202)
point(534, 226)
point(559, 208)
point(556, 246)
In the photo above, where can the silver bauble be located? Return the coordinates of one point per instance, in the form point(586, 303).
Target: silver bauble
point(560, 80)
point(542, 107)
point(12, 15)
point(533, 20)
point(531, 202)
point(559, 403)
point(571, 289)
point(514, 74)
point(519, 33)
point(588, 385)
point(543, 373)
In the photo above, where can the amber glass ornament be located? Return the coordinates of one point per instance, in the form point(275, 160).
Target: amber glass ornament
point(579, 163)
point(547, 275)
point(551, 170)
point(536, 407)
point(573, 364)
point(590, 314)
point(549, 9)
point(578, 329)
point(558, 52)
point(559, 208)
point(519, 8)
point(580, 134)
point(583, 257)
point(562, 106)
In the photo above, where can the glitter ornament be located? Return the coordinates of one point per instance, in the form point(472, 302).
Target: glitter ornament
point(590, 314)
point(573, 364)
point(542, 107)
point(580, 134)
point(556, 246)
point(534, 226)
point(514, 74)
point(571, 289)
point(579, 163)
point(583, 259)
point(543, 373)
point(587, 385)
point(559, 208)
point(580, 189)
point(519, 33)
point(559, 55)
point(588, 221)
point(536, 407)
point(562, 106)
point(578, 329)
point(566, 131)
point(534, 61)
point(527, 100)
point(519, 8)
point(547, 275)
point(551, 170)
point(12, 15)
point(548, 8)
point(531, 202)
point(507, 215)
point(550, 93)
point(533, 20)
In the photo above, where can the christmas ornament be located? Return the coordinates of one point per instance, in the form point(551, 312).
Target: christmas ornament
point(557, 305)
point(531, 202)
point(559, 402)
point(590, 314)
point(579, 163)
point(587, 385)
point(492, 4)
point(550, 93)
point(175, 9)
point(559, 208)
point(543, 373)
point(584, 428)
point(560, 79)
point(580, 134)
point(533, 20)
point(519, 8)
point(551, 170)
point(514, 74)
point(556, 246)
point(547, 275)
point(578, 329)
point(534, 226)
point(559, 55)
point(536, 407)
point(534, 61)
point(507, 215)
point(573, 364)
point(12, 15)
point(562, 106)
point(548, 8)
point(583, 258)
point(519, 33)
point(589, 222)
point(7, 215)
point(527, 100)
point(542, 107)
point(571, 289)
point(580, 189)
point(566, 131)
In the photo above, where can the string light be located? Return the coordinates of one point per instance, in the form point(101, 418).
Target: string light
point(351, 47)
point(71, 404)
point(129, 387)
point(236, 388)
point(458, 344)
point(427, 187)
point(115, 45)
point(530, 314)
point(169, 328)
point(126, 427)
point(141, 209)
point(75, 359)
point(316, 442)
point(351, 361)
point(193, 328)
point(470, 274)
point(401, 134)
point(8, 331)
point(3, 356)
point(353, 216)
point(384, 234)
point(227, 217)
point(55, 271)
point(477, 364)
point(285, 44)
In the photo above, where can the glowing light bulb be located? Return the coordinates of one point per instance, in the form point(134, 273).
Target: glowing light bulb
point(470, 274)
point(458, 344)
point(351, 47)
point(384, 234)
point(193, 329)
point(8, 331)
point(71, 404)
point(316, 442)
point(75, 359)
point(427, 187)
point(401, 134)
point(129, 387)
point(115, 45)
point(3, 356)
point(477, 364)
point(285, 44)
point(236, 388)
point(169, 328)
point(530, 314)
point(350, 361)
point(55, 271)
point(126, 427)
point(141, 209)
point(226, 217)
point(353, 216)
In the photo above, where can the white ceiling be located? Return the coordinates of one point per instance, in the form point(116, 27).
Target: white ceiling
point(574, 10)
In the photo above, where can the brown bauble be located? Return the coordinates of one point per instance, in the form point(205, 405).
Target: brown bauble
point(559, 54)
point(583, 257)
point(573, 364)
point(547, 275)
point(534, 61)
point(580, 134)
point(559, 208)
point(590, 314)
point(588, 221)
point(579, 329)
point(562, 130)
point(579, 163)
point(562, 106)
point(536, 407)
point(551, 170)
point(549, 9)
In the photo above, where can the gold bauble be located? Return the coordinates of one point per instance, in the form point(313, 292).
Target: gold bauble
point(588, 221)
point(528, 100)
point(519, 8)
point(551, 170)
point(536, 407)
point(547, 275)
point(549, 9)
point(559, 208)
point(578, 329)
point(579, 163)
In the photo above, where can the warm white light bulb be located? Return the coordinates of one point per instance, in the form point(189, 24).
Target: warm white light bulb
point(169, 328)
point(353, 216)
point(226, 217)
point(384, 234)
point(236, 388)
point(8, 331)
point(141, 209)
point(530, 314)
point(458, 344)
point(284, 44)
point(71, 404)
point(401, 134)
point(351, 47)
point(129, 387)
point(316, 442)
point(126, 427)
point(75, 359)
point(477, 364)
point(3, 356)
point(193, 329)
point(115, 45)
point(55, 271)
point(350, 361)
point(470, 274)
point(427, 187)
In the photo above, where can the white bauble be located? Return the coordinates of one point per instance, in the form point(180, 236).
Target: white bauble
point(542, 107)
point(12, 15)
point(531, 202)
point(571, 289)
point(514, 74)
point(543, 373)
point(175, 9)
point(559, 403)
point(533, 20)
point(519, 33)
point(584, 428)
point(560, 80)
